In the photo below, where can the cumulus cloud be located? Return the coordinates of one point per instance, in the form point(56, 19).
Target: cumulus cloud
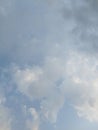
point(74, 79)
point(82, 89)
point(41, 83)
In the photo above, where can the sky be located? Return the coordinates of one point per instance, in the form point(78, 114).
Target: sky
point(48, 65)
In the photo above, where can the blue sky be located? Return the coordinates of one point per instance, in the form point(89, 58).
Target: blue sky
point(48, 65)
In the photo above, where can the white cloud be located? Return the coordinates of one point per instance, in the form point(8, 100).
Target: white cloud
point(26, 78)
point(58, 72)
point(88, 110)
point(35, 122)
point(5, 121)
point(41, 83)
point(82, 72)
point(79, 85)
point(5, 118)
point(52, 105)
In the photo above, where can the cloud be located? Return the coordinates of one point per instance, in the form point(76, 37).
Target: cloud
point(51, 106)
point(55, 58)
point(89, 111)
point(41, 83)
point(83, 15)
point(5, 118)
point(6, 7)
point(34, 123)
point(74, 79)
point(57, 80)
point(82, 85)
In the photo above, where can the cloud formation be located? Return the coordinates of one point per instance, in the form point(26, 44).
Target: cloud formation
point(74, 79)
point(48, 55)
point(41, 83)
point(82, 72)
point(5, 116)
point(83, 15)
point(34, 123)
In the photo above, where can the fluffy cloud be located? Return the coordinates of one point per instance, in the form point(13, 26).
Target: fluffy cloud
point(74, 79)
point(42, 83)
point(82, 72)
